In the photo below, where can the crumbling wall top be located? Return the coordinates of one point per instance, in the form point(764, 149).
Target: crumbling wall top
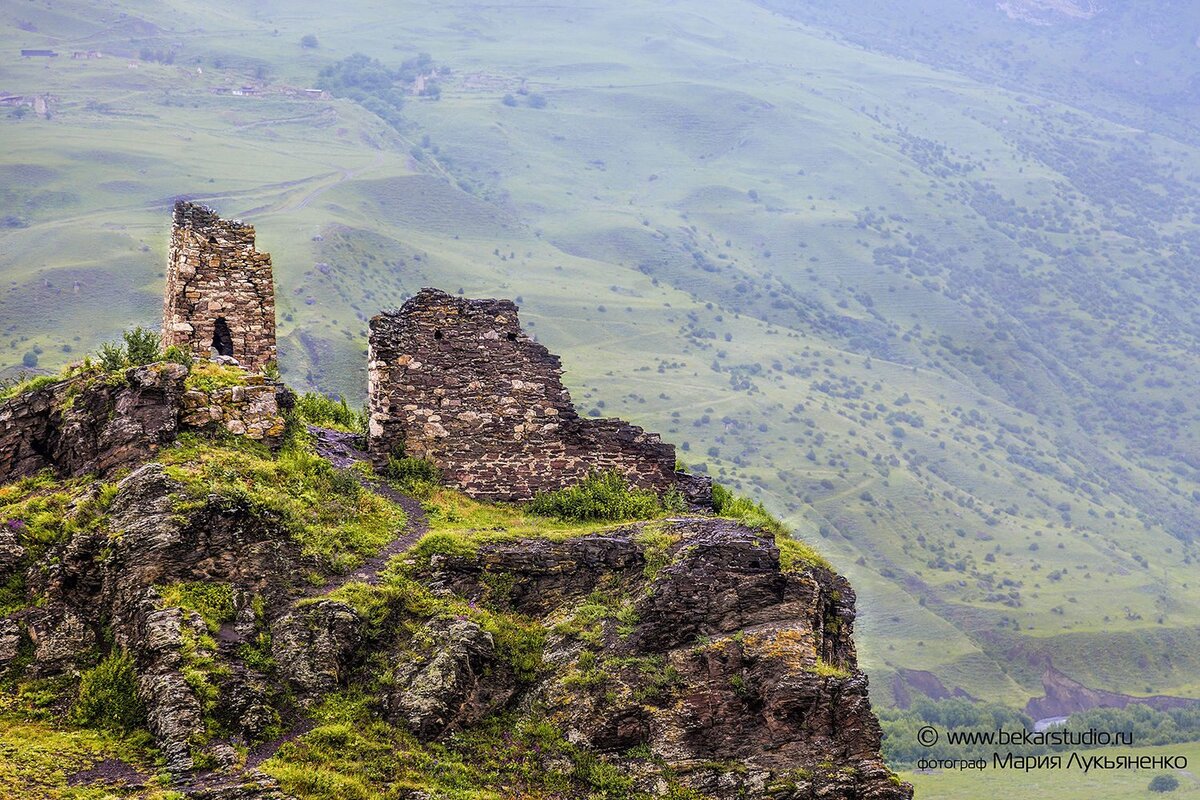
point(458, 381)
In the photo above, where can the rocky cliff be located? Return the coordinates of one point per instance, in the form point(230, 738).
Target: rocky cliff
point(286, 625)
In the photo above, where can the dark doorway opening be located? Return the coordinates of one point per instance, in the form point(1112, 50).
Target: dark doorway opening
point(222, 338)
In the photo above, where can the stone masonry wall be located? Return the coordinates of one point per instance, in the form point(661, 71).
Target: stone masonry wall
point(459, 382)
point(220, 294)
point(94, 424)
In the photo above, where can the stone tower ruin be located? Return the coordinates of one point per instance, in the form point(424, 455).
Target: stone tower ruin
point(458, 382)
point(220, 295)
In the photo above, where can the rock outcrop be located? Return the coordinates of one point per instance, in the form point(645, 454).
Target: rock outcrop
point(717, 657)
point(684, 641)
point(98, 423)
point(78, 425)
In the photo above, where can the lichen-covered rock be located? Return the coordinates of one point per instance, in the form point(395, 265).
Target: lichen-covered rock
point(10, 642)
point(454, 680)
point(314, 644)
point(103, 586)
point(709, 655)
point(98, 423)
point(11, 554)
point(683, 640)
point(174, 714)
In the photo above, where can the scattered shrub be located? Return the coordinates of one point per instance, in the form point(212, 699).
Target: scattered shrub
point(317, 409)
point(30, 360)
point(112, 357)
point(179, 355)
point(599, 496)
point(142, 346)
point(108, 696)
point(415, 476)
point(1164, 783)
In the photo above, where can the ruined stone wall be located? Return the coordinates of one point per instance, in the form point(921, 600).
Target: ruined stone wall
point(220, 293)
point(94, 424)
point(459, 382)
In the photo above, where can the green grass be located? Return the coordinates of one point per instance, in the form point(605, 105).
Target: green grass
point(352, 755)
point(212, 601)
point(208, 376)
point(317, 409)
point(44, 512)
point(600, 496)
point(40, 757)
point(324, 511)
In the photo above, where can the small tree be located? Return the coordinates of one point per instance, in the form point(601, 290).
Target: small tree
point(309, 42)
point(30, 359)
point(537, 101)
point(141, 346)
point(509, 101)
point(1164, 783)
point(112, 357)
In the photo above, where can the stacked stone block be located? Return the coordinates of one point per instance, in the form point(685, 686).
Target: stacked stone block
point(220, 293)
point(459, 382)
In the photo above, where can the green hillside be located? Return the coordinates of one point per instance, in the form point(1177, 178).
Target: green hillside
point(943, 324)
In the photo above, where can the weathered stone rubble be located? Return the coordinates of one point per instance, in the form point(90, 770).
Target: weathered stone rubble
point(251, 409)
point(459, 382)
point(220, 293)
point(95, 423)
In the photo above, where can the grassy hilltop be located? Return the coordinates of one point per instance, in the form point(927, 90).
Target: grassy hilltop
point(945, 328)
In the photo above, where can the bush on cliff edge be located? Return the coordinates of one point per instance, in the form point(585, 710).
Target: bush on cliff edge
point(599, 496)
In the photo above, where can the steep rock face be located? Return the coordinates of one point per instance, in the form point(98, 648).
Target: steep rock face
point(104, 586)
point(683, 641)
point(78, 426)
point(451, 682)
point(719, 657)
point(313, 645)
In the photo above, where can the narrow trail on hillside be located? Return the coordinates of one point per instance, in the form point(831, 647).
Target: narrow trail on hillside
point(344, 451)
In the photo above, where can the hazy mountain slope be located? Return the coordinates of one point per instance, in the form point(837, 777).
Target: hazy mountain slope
point(948, 329)
point(1126, 60)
